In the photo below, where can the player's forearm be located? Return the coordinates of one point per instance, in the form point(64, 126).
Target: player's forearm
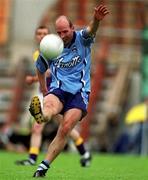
point(42, 81)
point(100, 12)
point(93, 27)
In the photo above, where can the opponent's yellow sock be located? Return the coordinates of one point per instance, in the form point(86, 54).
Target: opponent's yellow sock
point(33, 153)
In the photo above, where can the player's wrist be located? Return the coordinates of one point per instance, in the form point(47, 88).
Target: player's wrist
point(96, 19)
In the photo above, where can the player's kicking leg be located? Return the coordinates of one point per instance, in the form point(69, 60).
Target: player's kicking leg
point(35, 110)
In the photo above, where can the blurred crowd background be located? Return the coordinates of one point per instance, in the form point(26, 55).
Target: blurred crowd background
point(117, 118)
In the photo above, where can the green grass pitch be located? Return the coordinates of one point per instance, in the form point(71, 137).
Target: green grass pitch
point(67, 167)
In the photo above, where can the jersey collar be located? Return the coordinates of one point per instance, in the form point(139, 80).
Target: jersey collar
point(73, 40)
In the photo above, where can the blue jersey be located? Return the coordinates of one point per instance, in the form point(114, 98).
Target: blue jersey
point(71, 70)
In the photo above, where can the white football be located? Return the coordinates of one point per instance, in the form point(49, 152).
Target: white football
point(51, 46)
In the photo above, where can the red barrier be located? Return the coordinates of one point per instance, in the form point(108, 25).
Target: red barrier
point(96, 85)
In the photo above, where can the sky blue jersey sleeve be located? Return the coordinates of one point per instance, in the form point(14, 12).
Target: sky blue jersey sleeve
point(87, 39)
point(41, 64)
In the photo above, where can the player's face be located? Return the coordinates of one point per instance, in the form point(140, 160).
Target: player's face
point(65, 32)
point(40, 33)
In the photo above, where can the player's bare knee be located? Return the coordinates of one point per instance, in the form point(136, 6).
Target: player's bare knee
point(47, 116)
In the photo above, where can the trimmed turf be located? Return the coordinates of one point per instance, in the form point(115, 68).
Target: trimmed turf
point(67, 167)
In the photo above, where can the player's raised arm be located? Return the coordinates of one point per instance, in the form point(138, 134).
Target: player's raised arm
point(100, 12)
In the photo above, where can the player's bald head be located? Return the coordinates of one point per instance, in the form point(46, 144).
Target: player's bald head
point(63, 21)
point(64, 29)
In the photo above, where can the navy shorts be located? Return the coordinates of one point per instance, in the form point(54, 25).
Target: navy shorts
point(70, 101)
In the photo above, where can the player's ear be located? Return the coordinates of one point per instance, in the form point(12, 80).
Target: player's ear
point(72, 27)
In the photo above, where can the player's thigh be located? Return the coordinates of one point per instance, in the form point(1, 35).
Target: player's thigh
point(53, 103)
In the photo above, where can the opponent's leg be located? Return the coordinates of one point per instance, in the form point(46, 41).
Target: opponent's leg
point(35, 143)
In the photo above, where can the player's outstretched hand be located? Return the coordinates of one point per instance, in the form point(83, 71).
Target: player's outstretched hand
point(100, 12)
